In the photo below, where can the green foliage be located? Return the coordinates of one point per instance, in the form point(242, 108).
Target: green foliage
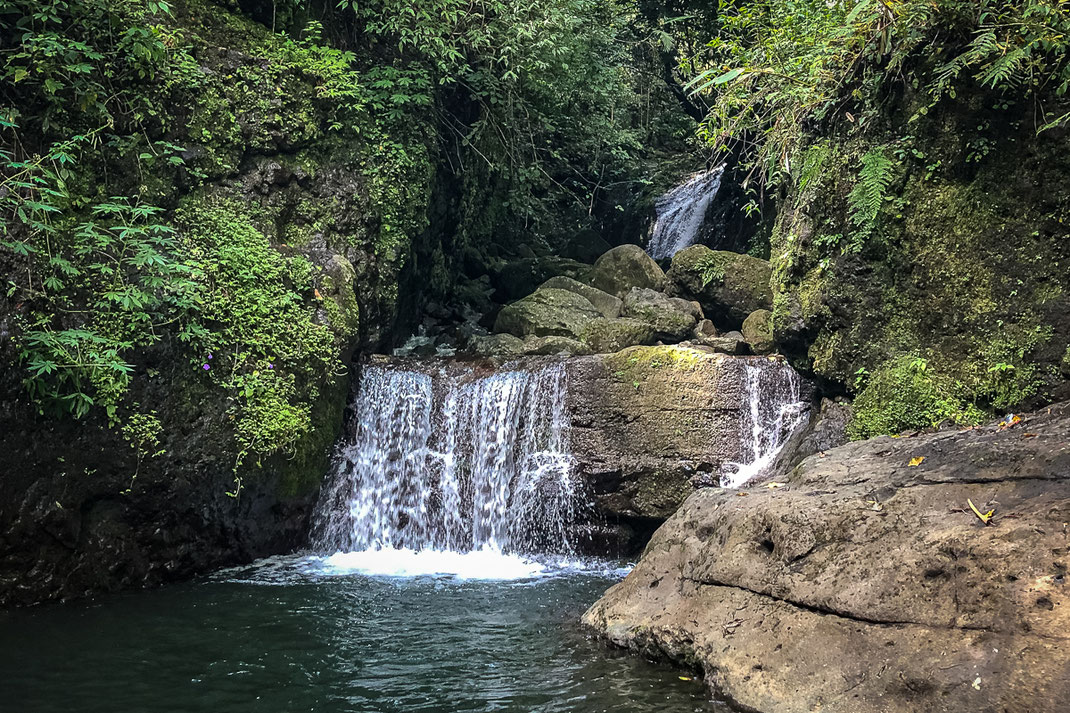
point(777, 67)
point(712, 269)
point(906, 394)
point(245, 291)
point(868, 196)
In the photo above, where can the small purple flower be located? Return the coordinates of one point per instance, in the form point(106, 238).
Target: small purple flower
point(209, 355)
point(271, 366)
point(206, 367)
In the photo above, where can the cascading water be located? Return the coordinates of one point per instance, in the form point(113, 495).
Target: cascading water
point(774, 409)
point(452, 463)
point(681, 213)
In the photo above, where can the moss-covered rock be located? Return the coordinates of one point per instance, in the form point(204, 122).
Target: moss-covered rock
point(607, 304)
point(496, 345)
point(547, 313)
point(758, 331)
point(672, 318)
point(625, 267)
point(605, 336)
point(966, 267)
point(555, 346)
point(729, 286)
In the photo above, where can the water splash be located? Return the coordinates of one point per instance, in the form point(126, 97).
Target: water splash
point(452, 462)
point(774, 409)
point(681, 213)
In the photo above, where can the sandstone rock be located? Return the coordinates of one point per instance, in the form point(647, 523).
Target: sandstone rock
point(604, 336)
point(546, 313)
point(496, 345)
point(730, 286)
point(625, 267)
point(671, 317)
point(758, 331)
point(606, 303)
point(644, 420)
point(865, 584)
point(554, 346)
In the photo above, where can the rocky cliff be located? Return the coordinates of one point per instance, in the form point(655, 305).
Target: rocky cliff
point(865, 581)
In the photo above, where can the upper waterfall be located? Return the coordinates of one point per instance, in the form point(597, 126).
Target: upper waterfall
point(451, 461)
point(681, 213)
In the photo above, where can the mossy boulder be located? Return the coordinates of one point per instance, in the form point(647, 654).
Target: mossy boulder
point(758, 331)
point(496, 345)
point(672, 318)
point(605, 336)
point(607, 304)
point(729, 286)
point(554, 346)
point(547, 313)
point(625, 267)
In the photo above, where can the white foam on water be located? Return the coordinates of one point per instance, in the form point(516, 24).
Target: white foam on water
point(485, 564)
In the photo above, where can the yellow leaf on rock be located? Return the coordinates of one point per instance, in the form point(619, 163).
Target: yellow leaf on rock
point(915, 462)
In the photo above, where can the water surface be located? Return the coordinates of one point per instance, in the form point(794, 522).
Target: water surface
point(314, 634)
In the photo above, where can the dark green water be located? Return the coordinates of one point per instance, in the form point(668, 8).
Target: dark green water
point(285, 637)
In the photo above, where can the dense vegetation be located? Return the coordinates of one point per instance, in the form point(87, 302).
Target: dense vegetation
point(177, 179)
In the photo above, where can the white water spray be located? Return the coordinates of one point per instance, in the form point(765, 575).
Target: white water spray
point(451, 472)
point(774, 409)
point(681, 213)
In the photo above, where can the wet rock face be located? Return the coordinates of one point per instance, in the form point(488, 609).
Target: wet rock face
point(866, 584)
point(547, 312)
point(645, 420)
point(672, 318)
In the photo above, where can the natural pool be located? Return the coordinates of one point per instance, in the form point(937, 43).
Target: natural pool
point(315, 634)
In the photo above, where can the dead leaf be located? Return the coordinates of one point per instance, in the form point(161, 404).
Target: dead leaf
point(318, 295)
point(915, 462)
point(685, 678)
point(985, 518)
point(774, 486)
point(874, 505)
point(741, 495)
point(1029, 435)
point(1011, 421)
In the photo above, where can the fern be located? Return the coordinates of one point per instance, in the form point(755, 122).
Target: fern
point(868, 195)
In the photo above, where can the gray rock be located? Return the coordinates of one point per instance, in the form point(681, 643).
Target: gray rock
point(865, 583)
point(606, 303)
point(704, 329)
point(730, 286)
point(672, 318)
point(496, 345)
point(625, 267)
point(554, 346)
point(547, 313)
point(758, 331)
point(604, 336)
point(726, 344)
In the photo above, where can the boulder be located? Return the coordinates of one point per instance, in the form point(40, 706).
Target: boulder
point(496, 345)
point(725, 344)
point(672, 318)
point(865, 583)
point(730, 286)
point(554, 346)
point(625, 267)
point(704, 329)
point(758, 331)
point(604, 336)
point(547, 313)
point(606, 303)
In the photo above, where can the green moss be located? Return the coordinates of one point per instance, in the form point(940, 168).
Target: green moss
point(636, 364)
point(906, 394)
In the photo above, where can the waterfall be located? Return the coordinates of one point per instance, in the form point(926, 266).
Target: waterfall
point(681, 213)
point(453, 461)
point(774, 408)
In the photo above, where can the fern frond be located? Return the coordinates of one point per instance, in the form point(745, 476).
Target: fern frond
point(867, 197)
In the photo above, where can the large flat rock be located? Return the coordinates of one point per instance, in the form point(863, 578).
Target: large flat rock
point(867, 584)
